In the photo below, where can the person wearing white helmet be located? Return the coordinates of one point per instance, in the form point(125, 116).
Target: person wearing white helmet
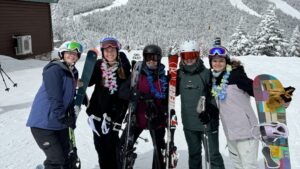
point(193, 82)
point(52, 111)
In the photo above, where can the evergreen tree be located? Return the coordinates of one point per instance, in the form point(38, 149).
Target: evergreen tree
point(269, 39)
point(295, 43)
point(240, 43)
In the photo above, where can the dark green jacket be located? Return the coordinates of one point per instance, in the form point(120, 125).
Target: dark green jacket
point(193, 82)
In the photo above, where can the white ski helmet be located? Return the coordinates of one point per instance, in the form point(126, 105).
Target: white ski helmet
point(70, 46)
point(189, 46)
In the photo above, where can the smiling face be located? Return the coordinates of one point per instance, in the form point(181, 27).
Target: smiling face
point(70, 57)
point(218, 64)
point(110, 54)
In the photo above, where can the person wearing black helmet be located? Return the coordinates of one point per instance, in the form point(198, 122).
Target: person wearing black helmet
point(106, 109)
point(151, 97)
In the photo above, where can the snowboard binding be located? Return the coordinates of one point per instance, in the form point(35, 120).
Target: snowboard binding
point(269, 133)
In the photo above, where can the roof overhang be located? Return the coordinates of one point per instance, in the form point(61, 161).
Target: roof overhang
point(43, 1)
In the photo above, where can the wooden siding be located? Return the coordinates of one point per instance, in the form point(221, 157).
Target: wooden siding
point(25, 18)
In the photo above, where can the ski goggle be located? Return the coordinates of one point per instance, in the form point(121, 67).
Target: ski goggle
point(109, 42)
point(148, 57)
point(75, 46)
point(189, 55)
point(217, 51)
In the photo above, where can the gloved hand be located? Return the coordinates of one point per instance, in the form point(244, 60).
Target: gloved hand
point(70, 118)
point(106, 124)
point(77, 109)
point(91, 123)
point(288, 93)
point(174, 50)
point(279, 97)
point(204, 117)
point(210, 112)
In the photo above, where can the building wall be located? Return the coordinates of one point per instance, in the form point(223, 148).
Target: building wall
point(25, 18)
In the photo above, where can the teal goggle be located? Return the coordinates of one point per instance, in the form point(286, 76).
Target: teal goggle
point(75, 46)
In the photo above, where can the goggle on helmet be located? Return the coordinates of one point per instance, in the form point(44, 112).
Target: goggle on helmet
point(70, 46)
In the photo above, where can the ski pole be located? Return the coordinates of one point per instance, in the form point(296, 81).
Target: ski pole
point(200, 109)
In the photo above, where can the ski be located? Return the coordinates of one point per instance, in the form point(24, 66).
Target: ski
point(171, 156)
point(87, 72)
point(128, 155)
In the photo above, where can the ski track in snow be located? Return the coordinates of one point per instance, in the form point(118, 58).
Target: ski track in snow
point(286, 8)
point(240, 5)
point(18, 147)
point(116, 3)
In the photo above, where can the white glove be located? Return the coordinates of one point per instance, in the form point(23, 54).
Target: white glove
point(106, 123)
point(77, 109)
point(174, 50)
point(90, 120)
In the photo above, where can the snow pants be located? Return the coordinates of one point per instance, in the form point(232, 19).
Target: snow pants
point(243, 153)
point(194, 141)
point(107, 149)
point(55, 144)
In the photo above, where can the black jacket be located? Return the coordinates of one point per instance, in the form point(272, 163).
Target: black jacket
point(102, 101)
point(239, 77)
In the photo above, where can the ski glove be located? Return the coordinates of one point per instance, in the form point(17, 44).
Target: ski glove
point(210, 112)
point(106, 124)
point(174, 50)
point(279, 97)
point(204, 117)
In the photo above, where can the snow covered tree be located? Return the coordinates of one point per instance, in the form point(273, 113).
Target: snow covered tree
point(240, 43)
point(295, 43)
point(269, 39)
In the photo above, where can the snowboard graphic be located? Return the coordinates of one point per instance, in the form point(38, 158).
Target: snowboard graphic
point(87, 72)
point(276, 151)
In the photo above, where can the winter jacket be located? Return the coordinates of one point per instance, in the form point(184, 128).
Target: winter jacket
point(237, 115)
point(102, 101)
point(54, 98)
point(193, 82)
point(148, 106)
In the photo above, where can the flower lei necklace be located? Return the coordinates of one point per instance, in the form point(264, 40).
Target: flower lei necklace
point(153, 90)
point(220, 90)
point(109, 75)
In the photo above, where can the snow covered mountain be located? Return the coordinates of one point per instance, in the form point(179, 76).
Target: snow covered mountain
point(140, 22)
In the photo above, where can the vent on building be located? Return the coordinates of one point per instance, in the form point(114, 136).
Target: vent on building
point(24, 45)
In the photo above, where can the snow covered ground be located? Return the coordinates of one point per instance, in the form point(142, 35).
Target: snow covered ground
point(19, 150)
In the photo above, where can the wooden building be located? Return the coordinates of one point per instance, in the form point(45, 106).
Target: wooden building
point(25, 28)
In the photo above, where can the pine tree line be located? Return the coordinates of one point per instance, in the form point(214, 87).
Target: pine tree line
point(267, 40)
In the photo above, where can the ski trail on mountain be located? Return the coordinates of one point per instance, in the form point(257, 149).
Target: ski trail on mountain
point(240, 5)
point(286, 8)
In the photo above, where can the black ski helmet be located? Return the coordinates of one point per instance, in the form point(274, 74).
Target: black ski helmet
point(152, 49)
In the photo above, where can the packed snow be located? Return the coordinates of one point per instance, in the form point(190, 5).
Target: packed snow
point(240, 5)
point(116, 3)
point(286, 8)
point(19, 150)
